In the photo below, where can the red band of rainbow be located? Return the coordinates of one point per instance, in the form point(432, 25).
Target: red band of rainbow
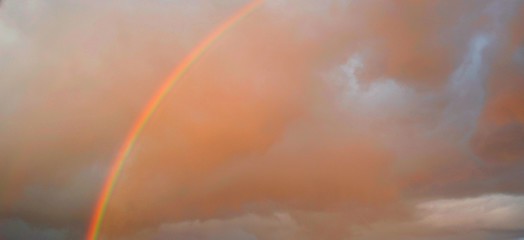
point(152, 104)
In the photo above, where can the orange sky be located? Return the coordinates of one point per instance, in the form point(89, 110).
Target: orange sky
point(308, 120)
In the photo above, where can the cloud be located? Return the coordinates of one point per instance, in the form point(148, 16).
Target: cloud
point(18, 229)
point(490, 212)
point(498, 136)
point(250, 226)
point(494, 216)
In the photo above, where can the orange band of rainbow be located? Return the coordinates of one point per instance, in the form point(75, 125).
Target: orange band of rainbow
point(152, 104)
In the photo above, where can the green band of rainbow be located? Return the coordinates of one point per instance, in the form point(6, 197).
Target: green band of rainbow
point(152, 104)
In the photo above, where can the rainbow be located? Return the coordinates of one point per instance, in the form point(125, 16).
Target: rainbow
point(120, 159)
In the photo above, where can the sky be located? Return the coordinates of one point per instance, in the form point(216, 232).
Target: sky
point(308, 119)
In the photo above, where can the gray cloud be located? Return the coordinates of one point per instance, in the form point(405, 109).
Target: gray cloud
point(18, 229)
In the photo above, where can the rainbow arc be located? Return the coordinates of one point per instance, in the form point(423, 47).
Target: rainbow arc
point(152, 104)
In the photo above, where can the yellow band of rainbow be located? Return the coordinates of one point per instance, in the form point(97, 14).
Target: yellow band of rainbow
point(147, 111)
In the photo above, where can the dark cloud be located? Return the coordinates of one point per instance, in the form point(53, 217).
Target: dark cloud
point(18, 229)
